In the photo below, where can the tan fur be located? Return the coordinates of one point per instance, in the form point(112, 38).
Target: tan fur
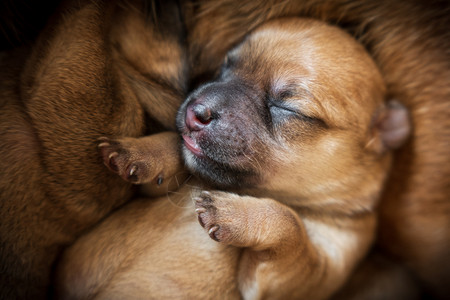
point(409, 41)
point(39, 213)
point(294, 232)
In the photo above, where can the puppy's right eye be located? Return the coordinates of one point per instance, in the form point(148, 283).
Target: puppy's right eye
point(281, 112)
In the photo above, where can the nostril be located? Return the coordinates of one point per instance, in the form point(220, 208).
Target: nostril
point(202, 113)
point(198, 116)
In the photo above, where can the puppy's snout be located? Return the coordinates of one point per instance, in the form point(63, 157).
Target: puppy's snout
point(198, 116)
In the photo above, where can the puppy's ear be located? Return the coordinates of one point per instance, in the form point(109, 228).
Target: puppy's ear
point(390, 128)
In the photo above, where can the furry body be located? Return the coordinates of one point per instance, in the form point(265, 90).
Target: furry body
point(409, 41)
point(303, 151)
point(50, 162)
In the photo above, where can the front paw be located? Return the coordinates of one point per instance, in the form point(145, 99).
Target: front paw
point(214, 215)
point(119, 158)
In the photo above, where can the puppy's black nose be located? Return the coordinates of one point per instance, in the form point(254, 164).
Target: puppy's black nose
point(198, 116)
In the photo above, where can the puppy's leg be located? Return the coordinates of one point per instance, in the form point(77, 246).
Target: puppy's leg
point(150, 159)
point(285, 257)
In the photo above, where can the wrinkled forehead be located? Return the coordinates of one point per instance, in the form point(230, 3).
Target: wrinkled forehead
point(319, 62)
point(314, 50)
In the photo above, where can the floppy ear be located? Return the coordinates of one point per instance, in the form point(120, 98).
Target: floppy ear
point(390, 128)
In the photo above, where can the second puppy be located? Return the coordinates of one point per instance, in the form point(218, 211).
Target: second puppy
point(297, 131)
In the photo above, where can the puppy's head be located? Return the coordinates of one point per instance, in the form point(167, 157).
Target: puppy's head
point(298, 110)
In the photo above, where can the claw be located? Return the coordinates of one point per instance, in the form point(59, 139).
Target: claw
point(132, 170)
point(112, 155)
point(111, 162)
point(200, 210)
point(104, 144)
point(213, 230)
point(205, 194)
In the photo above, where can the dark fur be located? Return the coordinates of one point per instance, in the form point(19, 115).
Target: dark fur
point(82, 80)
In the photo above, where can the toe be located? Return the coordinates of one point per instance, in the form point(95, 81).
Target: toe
point(112, 161)
point(212, 232)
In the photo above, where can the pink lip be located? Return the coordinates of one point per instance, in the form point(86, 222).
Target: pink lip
point(192, 145)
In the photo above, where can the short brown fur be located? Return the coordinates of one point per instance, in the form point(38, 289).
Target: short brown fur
point(308, 181)
point(409, 41)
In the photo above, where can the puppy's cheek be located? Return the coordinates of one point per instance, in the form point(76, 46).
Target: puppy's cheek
point(226, 143)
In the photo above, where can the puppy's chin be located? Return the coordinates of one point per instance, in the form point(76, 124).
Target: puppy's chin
point(219, 175)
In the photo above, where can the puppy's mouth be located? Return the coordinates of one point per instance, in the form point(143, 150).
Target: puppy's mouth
point(192, 145)
point(195, 148)
point(207, 163)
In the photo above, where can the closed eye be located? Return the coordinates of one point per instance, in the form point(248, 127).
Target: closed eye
point(281, 111)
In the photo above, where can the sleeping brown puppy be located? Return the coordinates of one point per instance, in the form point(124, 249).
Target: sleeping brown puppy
point(409, 41)
point(297, 130)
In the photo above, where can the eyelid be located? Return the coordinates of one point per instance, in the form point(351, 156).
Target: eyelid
point(282, 105)
point(294, 111)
